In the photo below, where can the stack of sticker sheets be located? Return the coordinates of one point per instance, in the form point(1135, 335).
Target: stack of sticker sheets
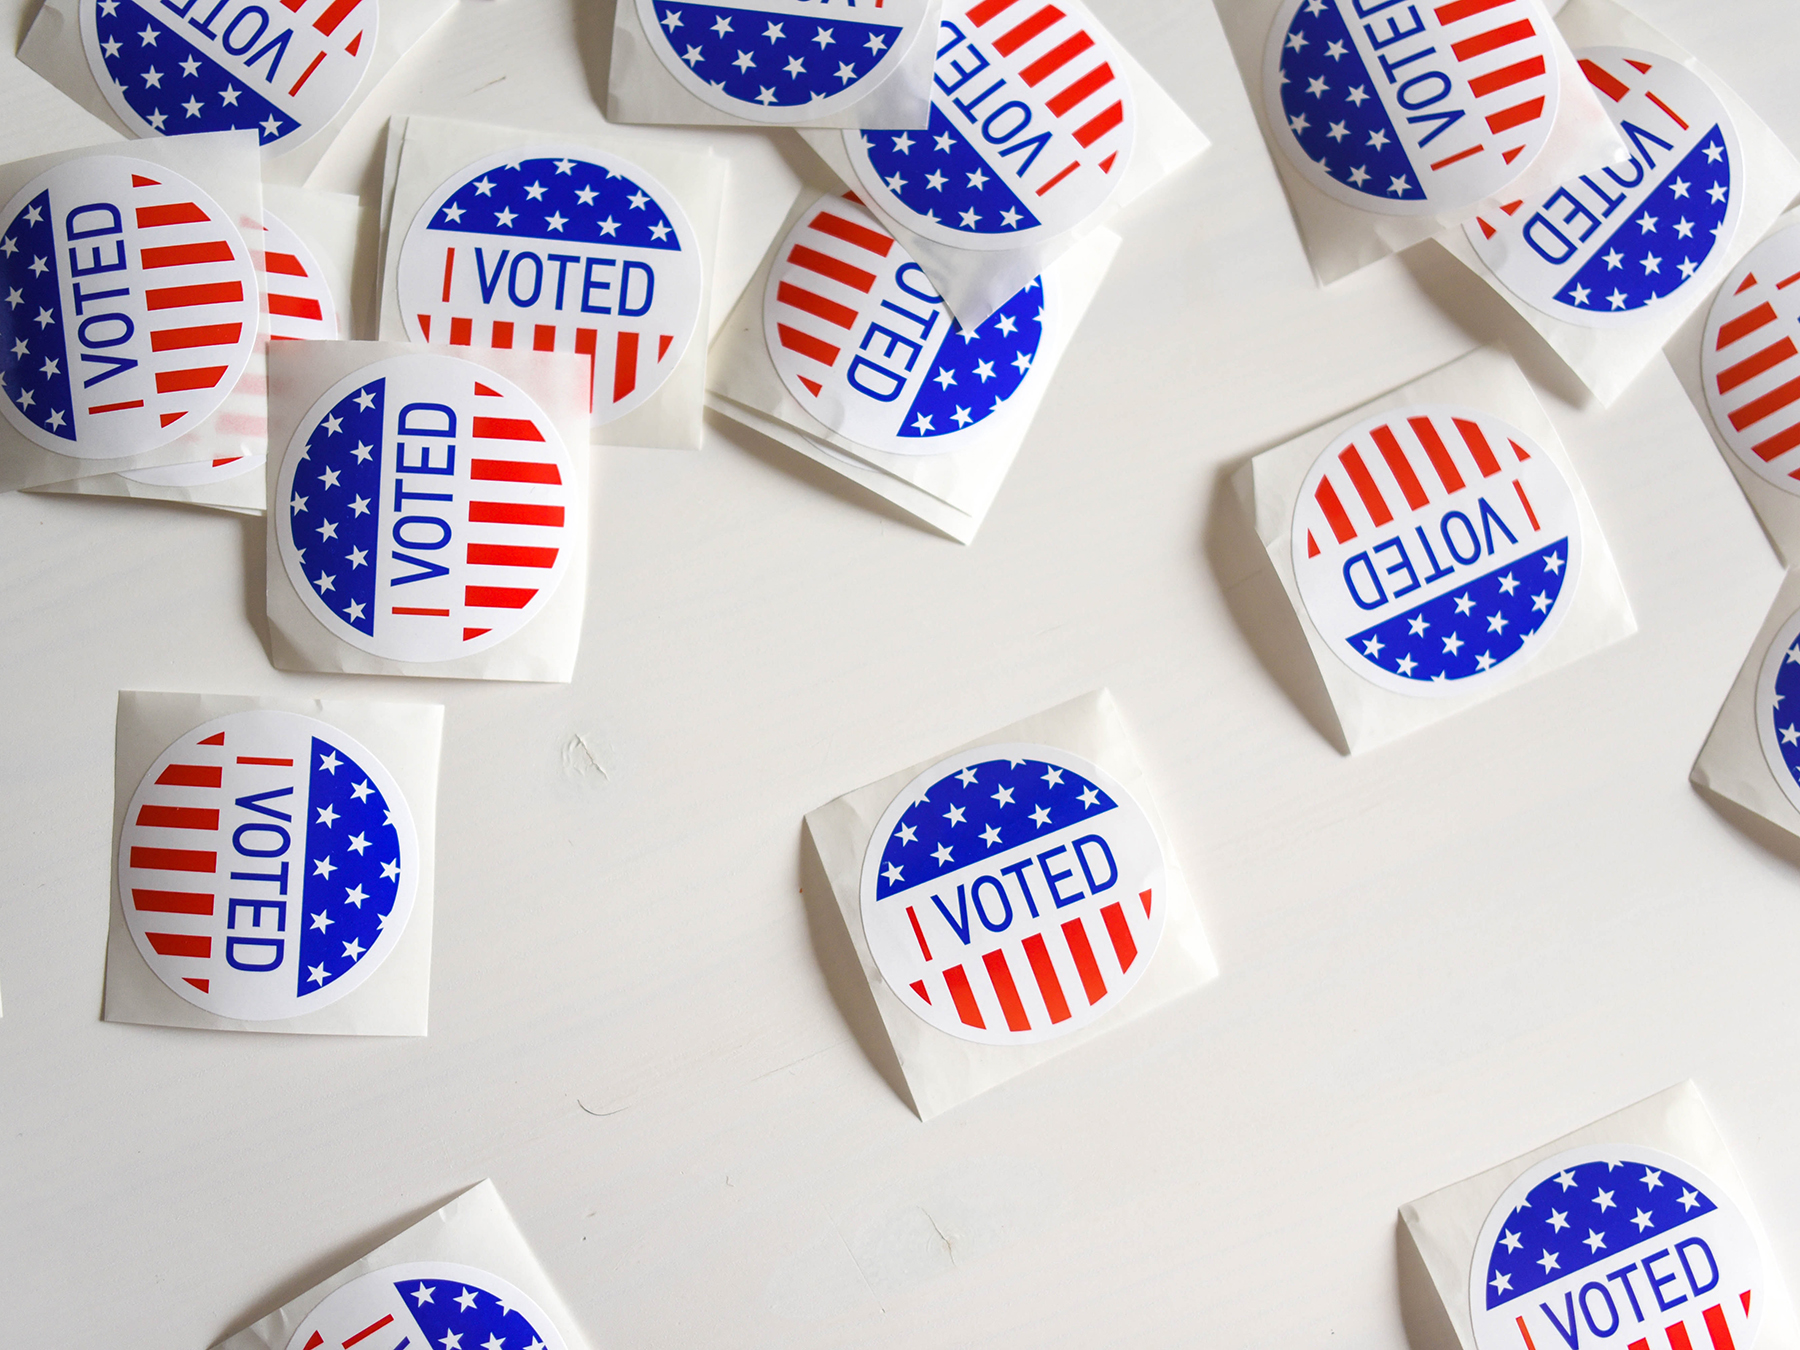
point(900, 672)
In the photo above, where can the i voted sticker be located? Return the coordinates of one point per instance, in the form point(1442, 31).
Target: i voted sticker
point(1622, 1246)
point(1749, 362)
point(1778, 708)
point(130, 307)
point(782, 60)
point(281, 70)
point(267, 865)
point(1013, 893)
point(427, 1305)
point(1408, 107)
point(1031, 129)
point(864, 343)
point(558, 250)
point(1615, 245)
point(300, 303)
point(424, 508)
point(1435, 548)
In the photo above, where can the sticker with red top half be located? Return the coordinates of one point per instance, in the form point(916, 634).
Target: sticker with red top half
point(1411, 108)
point(427, 1305)
point(130, 307)
point(1031, 129)
point(1616, 1246)
point(558, 249)
point(267, 865)
point(1436, 548)
point(1750, 364)
point(1013, 893)
point(424, 508)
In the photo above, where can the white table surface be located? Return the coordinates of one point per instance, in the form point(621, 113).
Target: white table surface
point(1435, 956)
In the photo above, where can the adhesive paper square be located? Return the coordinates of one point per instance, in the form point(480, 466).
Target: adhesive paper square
point(461, 1277)
point(772, 63)
point(1391, 121)
point(1437, 546)
point(1609, 263)
point(1634, 1231)
point(128, 337)
point(841, 350)
point(1041, 127)
point(291, 75)
point(1012, 899)
point(523, 240)
point(428, 514)
point(273, 863)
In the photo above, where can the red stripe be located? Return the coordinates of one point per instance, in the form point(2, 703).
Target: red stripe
point(1525, 501)
point(1055, 59)
point(963, 997)
point(919, 933)
point(1100, 125)
point(1017, 36)
point(1086, 87)
point(179, 944)
point(514, 513)
point(265, 759)
point(1091, 983)
point(506, 429)
point(295, 307)
point(1457, 158)
point(1780, 285)
point(327, 22)
point(1436, 452)
point(286, 264)
point(813, 303)
point(1666, 108)
point(1120, 932)
point(1745, 324)
point(1464, 9)
point(172, 902)
point(513, 471)
point(182, 255)
point(987, 9)
point(419, 612)
point(1517, 115)
point(207, 293)
point(1717, 1329)
point(117, 407)
point(497, 597)
point(1494, 39)
point(1506, 77)
point(1678, 1337)
point(827, 266)
point(450, 271)
point(204, 335)
point(1604, 80)
point(1066, 170)
point(851, 233)
point(306, 74)
point(797, 340)
point(179, 817)
point(1527, 1335)
point(1478, 447)
point(1778, 444)
point(191, 775)
point(1364, 483)
point(1752, 366)
point(503, 331)
point(1767, 406)
point(1335, 514)
point(1045, 973)
point(543, 338)
point(197, 377)
point(1399, 466)
point(171, 213)
point(369, 1330)
point(511, 555)
point(462, 332)
point(1001, 974)
point(175, 859)
point(625, 362)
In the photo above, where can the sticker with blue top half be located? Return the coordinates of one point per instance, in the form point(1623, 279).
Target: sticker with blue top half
point(1436, 548)
point(1615, 1245)
point(427, 1305)
point(281, 70)
point(863, 343)
point(1622, 242)
point(782, 61)
point(558, 249)
point(1407, 107)
point(267, 865)
point(1013, 893)
point(1031, 129)
point(1778, 708)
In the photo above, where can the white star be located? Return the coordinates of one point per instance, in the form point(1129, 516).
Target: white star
point(1539, 603)
point(672, 20)
point(270, 125)
point(1716, 192)
point(317, 974)
point(1464, 603)
point(1790, 735)
point(1397, 185)
point(355, 611)
point(327, 816)
point(1508, 584)
point(1651, 263)
point(1616, 299)
point(1689, 1199)
point(956, 815)
point(876, 42)
point(1594, 1241)
point(609, 227)
point(321, 921)
point(423, 1293)
point(744, 61)
point(969, 218)
point(1547, 1261)
point(1296, 41)
point(1316, 85)
point(1713, 151)
point(1580, 295)
point(990, 836)
point(1335, 51)
point(1604, 1199)
point(1378, 139)
point(824, 36)
point(330, 762)
point(1357, 95)
point(229, 97)
point(723, 26)
point(1338, 131)
point(962, 417)
point(1298, 122)
point(1614, 260)
point(1405, 665)
point(1418, 625)
point(326, 581)
point(1358, 176)
point(148, 36)
point(1502, 1283)
point(1372, 648)
point(1040, 817)
point(361, 791)
point(1647, 224)
point(891, 874)
point(484, 186)
point(452, 1340)
point(1485, 661)
point(1684, 228)
point(984, 371)
point(556, 220)
point(1496, 622)
point(465, 1300)
point(355, 896)
point(944, 143)
point(505, 217)
point(1453, 644)
point(324, 867)
point(941, 853)
point(1553, 563)
point(1643, 1220)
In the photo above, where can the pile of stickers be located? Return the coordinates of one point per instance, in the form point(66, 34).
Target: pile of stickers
point(180, 324)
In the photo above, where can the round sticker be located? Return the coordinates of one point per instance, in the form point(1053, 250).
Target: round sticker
point(863, 342)
point(1410, 109)
point(267, 865)
point(300, 303)
point(782, 60)
point(423, 508)
point(568, 250)
point(1012, 894)
point(1612, 246)
point(1615, 1246)
point(1031, 129)
point(131, 307)
point(1434, 548)
point(228, 65)
point(1750, 364)
point(427, 1305)
point(1778, 708)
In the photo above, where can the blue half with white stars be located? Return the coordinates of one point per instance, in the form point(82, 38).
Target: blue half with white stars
point(353, 868)
point(1787, 686)
point(982, 810)
point(940, 176)
point(1474, 628)
point(772, 60)
point(458, 1316)
point(561, 200)
point(34, 360)
point(1334, 113)
point(334, 508)
point(975, 373)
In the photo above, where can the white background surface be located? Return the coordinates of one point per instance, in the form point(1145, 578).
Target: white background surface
point(1434, 956)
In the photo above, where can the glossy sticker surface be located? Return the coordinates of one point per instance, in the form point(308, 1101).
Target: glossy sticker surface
point(1750, 365)
point(782, 61)
point(1410, 108)
point(267, 865)
point(427, 1305)
point(862, 341)
point(300, 303)
point(558, 249)
point(1619, 243)
point(423, 508)
point(130, 307)
point(1622, 1246)
point(1435, 548)
point(282, 70)
point(1013, 893)
point(1031, 129)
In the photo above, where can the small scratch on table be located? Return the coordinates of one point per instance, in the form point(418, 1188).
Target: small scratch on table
point(602, 1115)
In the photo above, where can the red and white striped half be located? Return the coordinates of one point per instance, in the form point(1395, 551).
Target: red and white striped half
point(1501, 49)
point(300, 301)
point(1750, 360)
